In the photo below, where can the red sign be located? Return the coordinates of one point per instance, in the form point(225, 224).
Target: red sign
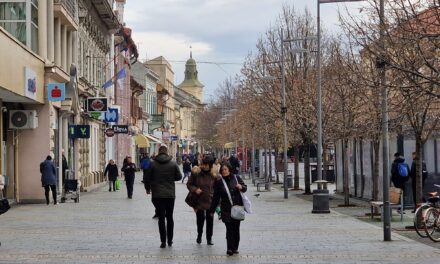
point(109, 132)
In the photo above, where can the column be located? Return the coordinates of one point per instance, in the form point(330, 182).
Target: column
point(50, 31)
point(69, 50)
point(57, 41)
point(64, 47)
point(75, 48)
point(42, 28)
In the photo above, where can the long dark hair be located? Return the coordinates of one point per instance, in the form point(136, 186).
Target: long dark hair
point(225, 164)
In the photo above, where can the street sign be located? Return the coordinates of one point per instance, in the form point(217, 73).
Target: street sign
point(79, 131)
point(173, 138)
point(56, 92)
point(119, 129)
point(112, 115)
point(96, 104)
point(109, 132)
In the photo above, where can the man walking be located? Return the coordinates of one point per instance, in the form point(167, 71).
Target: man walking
point(161, 177)
point(399, 172)
point(48, 179)
point(129, 169)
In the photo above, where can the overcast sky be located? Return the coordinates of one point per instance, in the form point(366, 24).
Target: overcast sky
point(220, 31)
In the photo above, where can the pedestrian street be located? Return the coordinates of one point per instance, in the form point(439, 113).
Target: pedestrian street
point(106, 227)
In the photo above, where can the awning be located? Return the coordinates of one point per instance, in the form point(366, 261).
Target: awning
point(155, 140)
point(230, 145)
point(141, 141)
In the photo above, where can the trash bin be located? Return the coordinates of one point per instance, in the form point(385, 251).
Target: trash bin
point(289, 181)
point(321, 199)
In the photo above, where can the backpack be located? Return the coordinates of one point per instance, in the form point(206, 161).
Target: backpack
point(403, 170)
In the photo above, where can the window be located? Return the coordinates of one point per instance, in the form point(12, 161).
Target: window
point(20, 18)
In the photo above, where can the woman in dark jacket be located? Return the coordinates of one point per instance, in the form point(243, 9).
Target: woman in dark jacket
point(48, 179)
point(129, 170)
point(186, 168)
point(236, 185)
point(112, 170)
point(201, 183)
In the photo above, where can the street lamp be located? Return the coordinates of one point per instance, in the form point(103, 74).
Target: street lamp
point(385, 145)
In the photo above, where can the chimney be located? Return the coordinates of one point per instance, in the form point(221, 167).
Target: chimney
point(120, 4)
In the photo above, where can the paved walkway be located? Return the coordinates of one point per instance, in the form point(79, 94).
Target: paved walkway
point(109, 228)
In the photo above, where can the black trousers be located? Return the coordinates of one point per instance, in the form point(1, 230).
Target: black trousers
point(112, 184)
point(201, 216)
point(164, 209)
point(54, 193)
point(129, 181)
point(232, 234)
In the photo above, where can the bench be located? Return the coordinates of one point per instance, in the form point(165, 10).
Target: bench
point(396, 202)
point(267, 185)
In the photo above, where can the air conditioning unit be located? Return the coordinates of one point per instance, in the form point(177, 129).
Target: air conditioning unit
point(23, 119)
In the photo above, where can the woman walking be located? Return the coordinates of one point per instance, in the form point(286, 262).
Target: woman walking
point(129, 170)
point(235, 185)
point(48, 179)
point(201, 183)
point(111, 170)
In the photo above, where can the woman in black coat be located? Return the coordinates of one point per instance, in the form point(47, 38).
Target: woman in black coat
point(236, 185)
point(112, 170)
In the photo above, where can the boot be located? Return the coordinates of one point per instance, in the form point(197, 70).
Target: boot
point(199, 239)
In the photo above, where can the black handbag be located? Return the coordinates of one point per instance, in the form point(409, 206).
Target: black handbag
point(4, 205)
point(191, 199)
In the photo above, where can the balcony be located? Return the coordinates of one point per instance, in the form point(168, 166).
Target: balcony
point(67, 11)
point(156, 121)
point(105, 12)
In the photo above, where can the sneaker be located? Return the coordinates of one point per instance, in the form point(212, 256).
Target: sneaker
point(229, 252)
point(163, 245)
point(170, 244)
point(235, 251)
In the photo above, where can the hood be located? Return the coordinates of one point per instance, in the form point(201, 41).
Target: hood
point(399, 160)
point(163, 158)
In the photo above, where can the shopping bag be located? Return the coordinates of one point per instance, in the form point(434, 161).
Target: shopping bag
point(117, 184)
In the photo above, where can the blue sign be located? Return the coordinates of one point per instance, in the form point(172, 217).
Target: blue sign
point(79, 131)
point(173, 138)
point(112, 115)
point(56, 91)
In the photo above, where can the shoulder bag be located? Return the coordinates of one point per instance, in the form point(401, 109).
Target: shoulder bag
point(246, 202)
point(237, 211)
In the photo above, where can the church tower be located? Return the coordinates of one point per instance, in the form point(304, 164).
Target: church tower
point(191, 83)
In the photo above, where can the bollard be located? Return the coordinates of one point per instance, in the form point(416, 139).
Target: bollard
point(321, 199)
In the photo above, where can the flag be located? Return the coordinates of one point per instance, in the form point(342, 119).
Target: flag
point(120, 75)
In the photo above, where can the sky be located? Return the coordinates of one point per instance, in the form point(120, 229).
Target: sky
point(219, 31)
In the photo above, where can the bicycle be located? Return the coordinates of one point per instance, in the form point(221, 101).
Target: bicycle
point(420, 213)
point(432, 219)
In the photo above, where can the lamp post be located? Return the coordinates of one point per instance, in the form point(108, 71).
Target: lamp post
point(385, 140)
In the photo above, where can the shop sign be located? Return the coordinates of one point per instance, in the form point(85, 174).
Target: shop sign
point(30, 83)
point(109, 132)
point(112, 115)
point(56, 91)
point(119, 129)
point(79, 131)
point(96, 104)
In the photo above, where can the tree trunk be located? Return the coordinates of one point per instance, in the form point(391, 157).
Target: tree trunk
point(419, 170)
point(376, 149)
point(270, 165)
point(361, 157)
point(346, 176)
point(355, 167)
point(307, 166)
point(296, 179)
point(265, 165)
point(325, 161)
point(277, 172)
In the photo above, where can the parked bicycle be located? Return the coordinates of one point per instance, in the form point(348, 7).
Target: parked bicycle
point(420, 213)
point(432, 219)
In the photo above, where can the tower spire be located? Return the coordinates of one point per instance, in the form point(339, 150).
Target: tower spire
point(190, 52)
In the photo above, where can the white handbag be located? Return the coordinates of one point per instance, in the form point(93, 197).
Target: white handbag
point(237, 211)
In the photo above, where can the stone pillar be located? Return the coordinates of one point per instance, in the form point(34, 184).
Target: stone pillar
point(75, 48)
point(57, 42)
point(69, 50)
point(42, 28)
point(50, 31)
point(64, 47)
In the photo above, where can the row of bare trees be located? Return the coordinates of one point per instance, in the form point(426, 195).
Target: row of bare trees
point(350, 83)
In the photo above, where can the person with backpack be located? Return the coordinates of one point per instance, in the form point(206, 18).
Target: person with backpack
point(399, 171)
point(413, 176)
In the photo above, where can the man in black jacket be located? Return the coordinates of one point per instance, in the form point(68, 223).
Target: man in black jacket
point(162, 174)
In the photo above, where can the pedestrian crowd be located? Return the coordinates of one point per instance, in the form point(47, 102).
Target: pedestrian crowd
point(213, 187)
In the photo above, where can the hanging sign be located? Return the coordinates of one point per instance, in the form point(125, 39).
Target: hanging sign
point(56, 92)
point(120, 129)
point(79, 131)
point(96, 104)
